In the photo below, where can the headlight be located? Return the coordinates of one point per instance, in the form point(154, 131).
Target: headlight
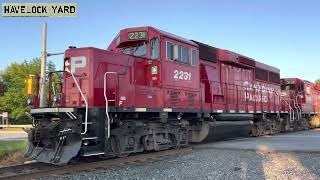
point(56, 98)
point(29, 101)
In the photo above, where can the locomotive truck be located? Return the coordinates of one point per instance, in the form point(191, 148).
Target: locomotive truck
point(151, 90)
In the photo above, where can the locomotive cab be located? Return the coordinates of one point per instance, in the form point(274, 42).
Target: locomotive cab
point(294, 92)
point(298, 96)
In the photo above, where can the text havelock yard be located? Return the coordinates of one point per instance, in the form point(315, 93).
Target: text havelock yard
point(39, 9)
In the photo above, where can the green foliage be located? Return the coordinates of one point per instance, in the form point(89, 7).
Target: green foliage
point(7, 147)
point(14, 102)
point(318, 81)
point(14, 76)
point(14, 99)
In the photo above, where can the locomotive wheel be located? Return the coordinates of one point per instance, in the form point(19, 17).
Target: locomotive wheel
point(122, 155)
point(254, 130)
point(148, 143)
point(278, 124)
point(174, 141)
point(274, 127)
point(295, 126)
point(262, 129)
point(116, 149)
point(258, 129)
point(305, 124)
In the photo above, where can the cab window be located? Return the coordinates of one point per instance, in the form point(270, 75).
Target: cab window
point(193, 57)
point(140, 50)
point(126, 51)
point(300, 87)
point(183, 55)
point(289, 87)
point(170, 49)
point(154, 48)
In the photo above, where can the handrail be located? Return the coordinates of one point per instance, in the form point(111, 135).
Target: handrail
point(85, 101)
point(295, 106)
point(300, 113)
point(106, 98)
point(290, 108)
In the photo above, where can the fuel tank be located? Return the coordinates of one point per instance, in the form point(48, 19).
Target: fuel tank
point(226, 130)
point(234, 117)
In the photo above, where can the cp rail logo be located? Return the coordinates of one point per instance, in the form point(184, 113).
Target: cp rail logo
point(39, 9)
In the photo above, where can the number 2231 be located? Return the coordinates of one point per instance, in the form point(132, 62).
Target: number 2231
point(182, 75)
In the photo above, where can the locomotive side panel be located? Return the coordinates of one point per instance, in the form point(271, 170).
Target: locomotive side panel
point(317, 98)
point(102, 62)
point(213, 98)
point(180, 75)
point(308, 103)
point(267, 81)
point(78, 62)
point(235, 80)
point(235, 87)
point(315, 92)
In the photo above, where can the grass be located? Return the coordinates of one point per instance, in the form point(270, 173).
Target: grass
point(12, 151)
point(11, 129)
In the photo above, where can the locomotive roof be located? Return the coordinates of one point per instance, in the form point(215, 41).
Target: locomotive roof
point(173, 36)
point(267, 67)
point(209, 48)
point(164, 33)
point(297, 79)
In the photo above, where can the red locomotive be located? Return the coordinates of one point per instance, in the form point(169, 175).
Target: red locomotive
point(304, 99)
point(152, 90)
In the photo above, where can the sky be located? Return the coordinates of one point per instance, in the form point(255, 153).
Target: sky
point(284, 34)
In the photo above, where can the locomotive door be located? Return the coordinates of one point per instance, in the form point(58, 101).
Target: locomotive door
point(148, 77)
point(154, 65)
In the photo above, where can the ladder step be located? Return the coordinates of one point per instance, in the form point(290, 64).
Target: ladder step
point(93, 153)
point(112, 100)
point(87, 123)
point(89, 138)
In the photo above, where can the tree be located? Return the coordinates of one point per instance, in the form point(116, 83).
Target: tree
point(14, 75)
point(318, 81)
point(14, 98)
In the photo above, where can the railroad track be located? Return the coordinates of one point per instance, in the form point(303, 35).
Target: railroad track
point(34, 170)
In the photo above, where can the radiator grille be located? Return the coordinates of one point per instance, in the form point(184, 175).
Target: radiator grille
point(190, 98)
point(174, 98)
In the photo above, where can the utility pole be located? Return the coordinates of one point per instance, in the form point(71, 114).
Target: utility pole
point(43, 64)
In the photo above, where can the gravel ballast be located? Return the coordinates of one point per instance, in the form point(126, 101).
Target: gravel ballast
point(207, 162)
point(217, 164)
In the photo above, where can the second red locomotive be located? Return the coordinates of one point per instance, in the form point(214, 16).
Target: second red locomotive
point(152, 90)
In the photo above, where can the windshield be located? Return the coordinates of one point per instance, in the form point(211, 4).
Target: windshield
point(139, 50)
point(288, 87)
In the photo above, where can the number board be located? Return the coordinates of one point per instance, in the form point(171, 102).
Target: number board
point(290, 82)
point(137, 35)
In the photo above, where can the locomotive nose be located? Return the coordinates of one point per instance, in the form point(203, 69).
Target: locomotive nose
point(54, 140)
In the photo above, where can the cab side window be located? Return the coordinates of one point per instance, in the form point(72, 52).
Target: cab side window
point(154, 48)
point(170, 49)
point(183, 55)
point(193, 57)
